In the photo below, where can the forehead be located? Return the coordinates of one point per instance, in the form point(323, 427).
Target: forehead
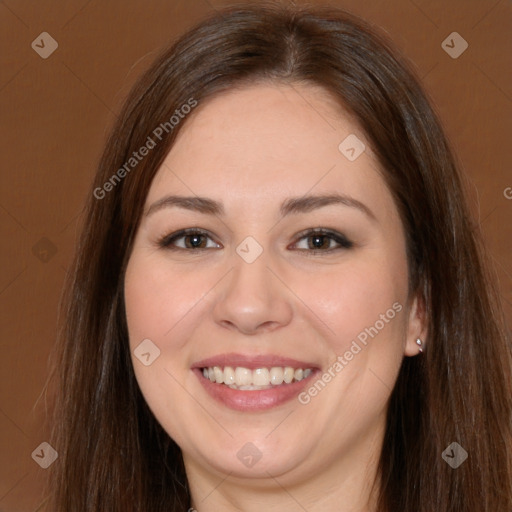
point(267, 141)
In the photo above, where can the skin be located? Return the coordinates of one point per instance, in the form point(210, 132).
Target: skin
point(251, 149)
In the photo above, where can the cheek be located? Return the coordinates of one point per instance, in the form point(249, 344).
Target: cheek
point(160, 307)
point(352, 299)
point(158, 300)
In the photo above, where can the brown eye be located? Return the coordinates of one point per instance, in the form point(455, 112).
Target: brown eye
point(195, 241)
point(319, 242)
point(187, 239)
point(322, 241)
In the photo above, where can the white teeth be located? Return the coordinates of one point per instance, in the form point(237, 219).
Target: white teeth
point(289, 373)
point(229, 375)
point(276, 376)
point(219, 374)
point(249, 388)
point(243, 376)
point(260, 378)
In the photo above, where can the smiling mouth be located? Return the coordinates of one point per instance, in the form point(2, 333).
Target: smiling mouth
point(245, 379)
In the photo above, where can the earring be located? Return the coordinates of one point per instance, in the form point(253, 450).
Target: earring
point(419, 343)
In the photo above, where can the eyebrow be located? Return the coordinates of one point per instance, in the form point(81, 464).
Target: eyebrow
point(291, 205)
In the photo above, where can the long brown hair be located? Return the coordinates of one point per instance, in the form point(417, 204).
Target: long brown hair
point(113, 454)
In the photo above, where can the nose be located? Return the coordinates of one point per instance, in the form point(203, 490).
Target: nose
point(252, 299)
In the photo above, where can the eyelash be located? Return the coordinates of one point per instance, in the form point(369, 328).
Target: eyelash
point(344, 243)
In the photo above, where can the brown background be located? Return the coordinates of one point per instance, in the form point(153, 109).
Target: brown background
point(57, 111)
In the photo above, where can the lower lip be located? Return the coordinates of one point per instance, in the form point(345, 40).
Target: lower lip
point(252, 400)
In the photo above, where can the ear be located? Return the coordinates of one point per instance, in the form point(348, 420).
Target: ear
point(417, 326)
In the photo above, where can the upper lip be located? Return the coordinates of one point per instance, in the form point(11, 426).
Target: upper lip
point(252, 361)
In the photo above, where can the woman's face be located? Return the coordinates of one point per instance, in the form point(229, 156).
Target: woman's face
point(294, 269)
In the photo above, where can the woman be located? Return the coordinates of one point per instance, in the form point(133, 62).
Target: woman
point(279, 299)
